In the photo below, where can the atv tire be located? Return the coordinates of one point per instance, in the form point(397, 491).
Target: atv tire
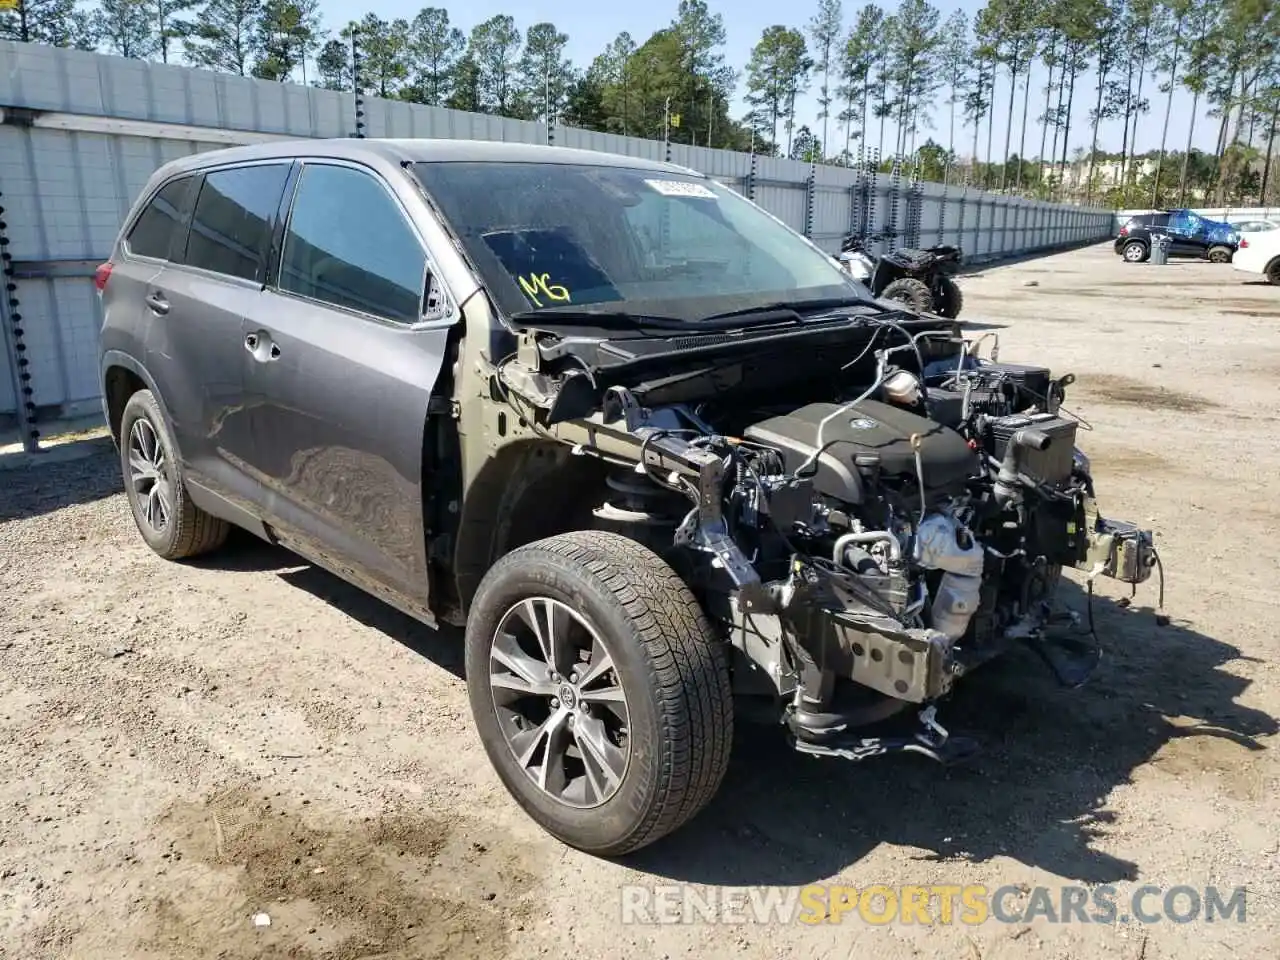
point(659, 743)
point(1220, 254)
point(952, 299)
point(914, 293)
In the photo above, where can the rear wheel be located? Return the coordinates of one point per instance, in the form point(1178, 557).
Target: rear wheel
point(1135, 251)
point(914, 293)
point(169, 522)
point(599, 690)
point(1273, 272)
point(1219, 254)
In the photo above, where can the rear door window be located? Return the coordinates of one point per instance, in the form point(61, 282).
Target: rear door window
point(233, 219)
point(153, 231)
point(350, 244)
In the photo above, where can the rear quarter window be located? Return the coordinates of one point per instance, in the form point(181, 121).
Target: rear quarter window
point(153, 232)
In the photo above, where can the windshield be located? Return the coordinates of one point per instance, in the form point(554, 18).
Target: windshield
point(549, 236)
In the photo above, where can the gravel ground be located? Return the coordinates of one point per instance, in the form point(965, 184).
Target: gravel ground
point(185, 747)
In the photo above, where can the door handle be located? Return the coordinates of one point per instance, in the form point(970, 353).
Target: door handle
point(261, 347)
point(157, 302)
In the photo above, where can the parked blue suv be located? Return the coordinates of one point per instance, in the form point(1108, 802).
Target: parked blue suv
point(1191, 235)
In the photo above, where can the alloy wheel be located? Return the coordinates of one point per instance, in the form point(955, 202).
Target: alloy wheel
point(559, 701)
point(149, 474)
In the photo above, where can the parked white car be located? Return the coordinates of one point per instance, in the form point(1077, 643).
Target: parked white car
point(1252, 225)
point(1259, 253)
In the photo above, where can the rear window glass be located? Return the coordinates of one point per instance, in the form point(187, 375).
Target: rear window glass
point(153, 231)
point(231, 225)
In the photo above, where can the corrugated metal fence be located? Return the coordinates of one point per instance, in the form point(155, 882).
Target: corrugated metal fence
point(81, 133)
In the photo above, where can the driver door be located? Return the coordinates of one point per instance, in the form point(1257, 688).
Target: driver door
point(343, 364)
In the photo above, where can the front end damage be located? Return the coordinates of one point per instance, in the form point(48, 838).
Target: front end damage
point(863, 553)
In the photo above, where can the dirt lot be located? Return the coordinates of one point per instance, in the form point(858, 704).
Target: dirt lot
point(184, 747)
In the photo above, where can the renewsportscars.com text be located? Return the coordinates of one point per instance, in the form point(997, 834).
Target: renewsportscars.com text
point(930, 904)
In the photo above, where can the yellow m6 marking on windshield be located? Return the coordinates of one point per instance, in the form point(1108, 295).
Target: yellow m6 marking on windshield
point(537, 285)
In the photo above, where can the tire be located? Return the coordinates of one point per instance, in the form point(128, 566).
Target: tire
point(1273, 272)
point(671, 667)
point(914, 293)
point(186, 530)
point(952, 299)
point(1135, 252)
point(1220, 254)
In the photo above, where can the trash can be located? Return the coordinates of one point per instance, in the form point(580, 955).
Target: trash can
point(1159, 248)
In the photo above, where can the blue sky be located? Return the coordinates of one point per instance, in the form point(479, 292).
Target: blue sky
point(591, 25)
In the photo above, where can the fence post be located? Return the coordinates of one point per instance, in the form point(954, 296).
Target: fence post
point(15, 347)
point(895, 199)
point(751, 176)
point(810, 192)
point(355, 82)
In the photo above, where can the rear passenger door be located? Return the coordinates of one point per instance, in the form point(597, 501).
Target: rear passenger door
point(214, 282)
point(1186, 229)
point(343, 364)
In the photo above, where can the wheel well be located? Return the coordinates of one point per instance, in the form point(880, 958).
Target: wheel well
point(527, 491)
point(121, 383)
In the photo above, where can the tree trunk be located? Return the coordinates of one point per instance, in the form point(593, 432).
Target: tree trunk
point(1008, 124)
point(1097, 118)
point(977, 125)
point(1058, 117)
point(1044, 125)
point(1128, 111)
point(1142, 72)
point(1182, 182)
point(1168, 110)
point(991, 125)
point(1022, 140)
point(1266, 162)
point(1066, 128)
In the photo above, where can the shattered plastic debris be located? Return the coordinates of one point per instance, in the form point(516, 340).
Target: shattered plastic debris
point(261, 920)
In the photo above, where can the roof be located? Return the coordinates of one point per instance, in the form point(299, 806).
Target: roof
point(421, 151)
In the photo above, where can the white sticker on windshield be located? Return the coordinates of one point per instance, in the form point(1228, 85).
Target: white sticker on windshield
point(681, 188)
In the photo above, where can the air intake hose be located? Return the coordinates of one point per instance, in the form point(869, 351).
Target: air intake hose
point(1009, 479)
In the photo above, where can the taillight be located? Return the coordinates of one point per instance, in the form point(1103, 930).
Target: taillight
point(102, 275)
point(1124, 231)
point(1243, 243)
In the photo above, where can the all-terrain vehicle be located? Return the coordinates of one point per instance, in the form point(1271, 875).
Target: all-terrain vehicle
point(654, 450)
point(920, 278)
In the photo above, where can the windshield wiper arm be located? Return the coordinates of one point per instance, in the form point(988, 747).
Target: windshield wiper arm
point(784, 309)
point(601, 318)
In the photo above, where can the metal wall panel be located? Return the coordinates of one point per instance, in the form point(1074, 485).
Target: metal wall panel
point(70, 170)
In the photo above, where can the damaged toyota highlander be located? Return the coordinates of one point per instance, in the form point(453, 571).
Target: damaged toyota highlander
point(663, 459)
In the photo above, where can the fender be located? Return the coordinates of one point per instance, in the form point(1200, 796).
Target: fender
point(118, 358)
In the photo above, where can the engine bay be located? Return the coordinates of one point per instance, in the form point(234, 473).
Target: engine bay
point(884, 539)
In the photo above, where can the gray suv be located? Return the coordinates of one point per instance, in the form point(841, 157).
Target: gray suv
point(654, 449)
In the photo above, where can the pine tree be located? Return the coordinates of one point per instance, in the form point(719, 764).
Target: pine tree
point(435, 48)
point(546, 76)
point(125, 28)
point(824, 30)
point(495, 50)
point(774, 74)
point(224, 36)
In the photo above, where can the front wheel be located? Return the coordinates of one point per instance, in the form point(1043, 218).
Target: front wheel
point(1219, 254)
point(952, 298)
point(914, 293)
point(599, 690)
